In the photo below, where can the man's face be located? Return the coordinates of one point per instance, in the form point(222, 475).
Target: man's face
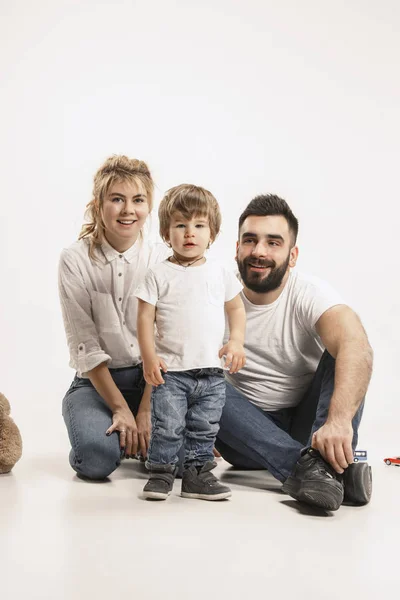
point(264, 252)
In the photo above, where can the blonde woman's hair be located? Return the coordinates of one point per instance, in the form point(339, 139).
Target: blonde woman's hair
point(116, 169)
point(191, 201)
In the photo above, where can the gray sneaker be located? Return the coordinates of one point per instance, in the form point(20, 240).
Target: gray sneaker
point(357, 480)
point(159, 485)
point(201, 483)
point(315, 482)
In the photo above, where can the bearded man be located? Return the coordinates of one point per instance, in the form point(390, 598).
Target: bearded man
point(296, 406)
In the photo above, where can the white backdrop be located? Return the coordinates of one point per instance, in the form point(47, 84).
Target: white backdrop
point(296, 98)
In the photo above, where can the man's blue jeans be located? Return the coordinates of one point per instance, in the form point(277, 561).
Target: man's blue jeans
point(250, 438)
point(186, 409)
point(87, 417)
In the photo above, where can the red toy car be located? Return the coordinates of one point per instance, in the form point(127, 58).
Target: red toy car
point(393, 461)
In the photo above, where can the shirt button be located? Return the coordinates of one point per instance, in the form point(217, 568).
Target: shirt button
point(80, 347)
point(123, 323)
point(120, 299)
point(120, 255)
point(131, 345)
point(119, 274)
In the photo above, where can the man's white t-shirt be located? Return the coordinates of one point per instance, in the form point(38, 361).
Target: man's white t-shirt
point(190, 311)
point(282, 346)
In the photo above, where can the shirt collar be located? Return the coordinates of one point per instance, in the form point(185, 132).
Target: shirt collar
point(110, 253)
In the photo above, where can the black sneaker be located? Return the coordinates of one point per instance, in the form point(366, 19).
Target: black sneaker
point(357, 481)
point(315, 482)
point(159, 485)
point(201, 483)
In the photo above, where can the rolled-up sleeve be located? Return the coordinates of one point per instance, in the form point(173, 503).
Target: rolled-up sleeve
point(82, 337)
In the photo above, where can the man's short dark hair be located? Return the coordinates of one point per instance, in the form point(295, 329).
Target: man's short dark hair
point(269, 205)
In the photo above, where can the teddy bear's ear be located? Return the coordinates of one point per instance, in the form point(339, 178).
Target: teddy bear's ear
point(4, 406)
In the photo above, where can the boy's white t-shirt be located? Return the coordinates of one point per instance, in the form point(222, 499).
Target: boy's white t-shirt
point(190, 311)
point(282, 346)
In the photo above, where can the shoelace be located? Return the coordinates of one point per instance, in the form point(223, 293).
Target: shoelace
point(325, 466)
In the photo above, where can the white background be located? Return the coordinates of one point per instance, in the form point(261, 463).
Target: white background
point(296, 98)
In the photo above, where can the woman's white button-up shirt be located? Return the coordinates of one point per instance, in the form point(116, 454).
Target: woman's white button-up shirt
point(98, 305)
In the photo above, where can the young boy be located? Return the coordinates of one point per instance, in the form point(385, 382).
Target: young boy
point(187, 296)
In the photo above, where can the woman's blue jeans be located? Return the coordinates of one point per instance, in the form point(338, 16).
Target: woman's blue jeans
point(87, 417)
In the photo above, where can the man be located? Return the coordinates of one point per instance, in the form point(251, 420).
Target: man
point(296, 406)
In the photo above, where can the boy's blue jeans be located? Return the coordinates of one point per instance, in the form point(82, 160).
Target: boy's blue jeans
point(186, 409)
point(250, 438)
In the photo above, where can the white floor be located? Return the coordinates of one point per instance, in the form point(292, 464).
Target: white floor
point(62, 538)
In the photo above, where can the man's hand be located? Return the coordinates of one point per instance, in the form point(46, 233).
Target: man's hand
point(333, 442)
point(152, 371)
point(143, 422)
point(235, 355)
point(124, 422)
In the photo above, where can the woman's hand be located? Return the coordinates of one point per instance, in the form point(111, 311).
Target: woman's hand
point(143, 422)
point(124, 422)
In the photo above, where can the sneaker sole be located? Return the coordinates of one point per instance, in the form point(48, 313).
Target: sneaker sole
point(310, 492)
point(155, 495)
point(221, 496)
point(358, 486)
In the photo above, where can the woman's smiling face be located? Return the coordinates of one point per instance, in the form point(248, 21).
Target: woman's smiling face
point(124, 211)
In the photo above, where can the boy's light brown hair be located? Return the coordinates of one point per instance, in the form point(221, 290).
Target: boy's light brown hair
point(116, 169)
point(191, 201)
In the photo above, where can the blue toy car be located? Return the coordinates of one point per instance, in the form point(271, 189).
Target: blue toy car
point(360, 456)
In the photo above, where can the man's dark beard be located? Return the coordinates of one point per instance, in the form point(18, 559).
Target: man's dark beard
point(258, 283)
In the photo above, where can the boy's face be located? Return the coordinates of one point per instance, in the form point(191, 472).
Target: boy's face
point(124, 212)
point(189, 238)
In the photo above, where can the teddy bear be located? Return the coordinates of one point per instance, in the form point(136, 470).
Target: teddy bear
point(10, 438)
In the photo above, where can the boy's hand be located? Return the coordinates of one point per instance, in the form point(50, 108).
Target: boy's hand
point(235, 356)
point(152, 371)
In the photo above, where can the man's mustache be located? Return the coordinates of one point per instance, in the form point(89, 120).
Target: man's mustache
point(255, 263)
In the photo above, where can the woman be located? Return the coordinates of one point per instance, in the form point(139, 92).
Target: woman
point(107, 409)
